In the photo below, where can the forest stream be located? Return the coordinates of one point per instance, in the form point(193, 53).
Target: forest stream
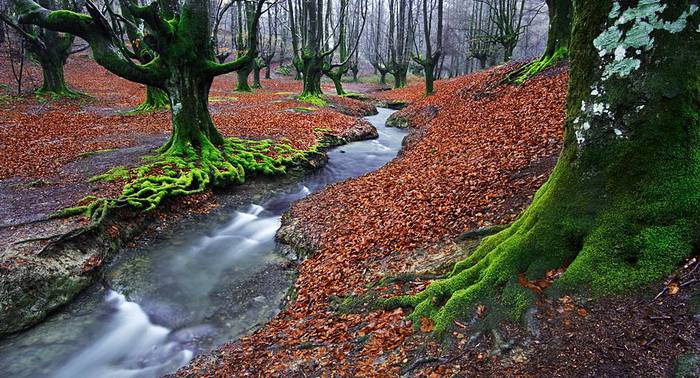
point(159, 306)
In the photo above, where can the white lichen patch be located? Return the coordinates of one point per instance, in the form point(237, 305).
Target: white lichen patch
point(598, 108)
point(620, 36)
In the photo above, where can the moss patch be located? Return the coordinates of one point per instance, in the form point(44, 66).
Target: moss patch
point(188, 172)
point(313, 100)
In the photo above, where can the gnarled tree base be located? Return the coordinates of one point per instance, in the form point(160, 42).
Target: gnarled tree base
point(610, 237)
point(57, 93)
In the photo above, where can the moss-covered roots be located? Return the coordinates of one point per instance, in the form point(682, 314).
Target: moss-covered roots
point(57, 93)
point(530, 70)
point(622, 207)
point(313, 99)
point(184, 171)
point(608, 246)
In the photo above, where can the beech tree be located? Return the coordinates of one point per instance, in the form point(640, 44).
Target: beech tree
point(620, 209)
point(376, 42)
point(50, 49)
point(348, 38)
point(269, 45)
point(560, 18)
point(247, 20)
point(184, 67)
point(431, 57)
point(400, 37)
point(507, 16)
point(156, 98)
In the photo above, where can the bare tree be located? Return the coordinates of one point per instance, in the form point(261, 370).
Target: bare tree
point(431, 57)
point(507, 16)
point(49, 48)
point(400, 38)
point(348, 37)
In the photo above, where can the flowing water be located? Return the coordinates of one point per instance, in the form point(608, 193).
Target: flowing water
point(161, 305)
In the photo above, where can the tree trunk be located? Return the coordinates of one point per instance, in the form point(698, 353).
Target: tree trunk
point(193, 129)
point(400, 77)
point(268, 68)
point(429, 67)
point(313, 71)
point(337, 81)
point(156, 98)
point(256, 77)
point(560, 13)
point(298, 68)
point(559, 26)
point(242, 82)
point(621, 206)
point(54, 83)
point(382, 78)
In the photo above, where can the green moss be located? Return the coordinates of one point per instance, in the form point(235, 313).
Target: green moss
point(182, 171)
point(114, 174)
point(313, 100)
point(535, 67)
point(156, 99)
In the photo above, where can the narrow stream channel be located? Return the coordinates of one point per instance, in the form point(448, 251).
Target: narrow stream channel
point(186, 295)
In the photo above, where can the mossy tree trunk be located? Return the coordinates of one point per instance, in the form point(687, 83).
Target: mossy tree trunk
point(156, 99)
point(560, 15)
point(431, 57)
point(193, 129)
point(400, 73)
point(258, 65)
point(54, 82)
point(622, 206)
point(242, 82)
point(50, 49)
point(337, 78)
point(313, 71)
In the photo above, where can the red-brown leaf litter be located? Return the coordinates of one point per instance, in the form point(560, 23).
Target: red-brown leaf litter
point(39, 137)
point(477, 154)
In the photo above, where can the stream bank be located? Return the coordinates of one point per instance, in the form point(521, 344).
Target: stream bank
point(210, 279)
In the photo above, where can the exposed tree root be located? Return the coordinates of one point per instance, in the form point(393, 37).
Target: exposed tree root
point(64, 92)
point(608, 246)
point(184, 170)
point(530, 70)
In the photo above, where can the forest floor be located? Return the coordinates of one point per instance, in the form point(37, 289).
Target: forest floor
point(51, 148)
point(475, 155)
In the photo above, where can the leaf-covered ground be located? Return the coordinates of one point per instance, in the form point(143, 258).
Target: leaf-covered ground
point(51, 148)
point(476, 156)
